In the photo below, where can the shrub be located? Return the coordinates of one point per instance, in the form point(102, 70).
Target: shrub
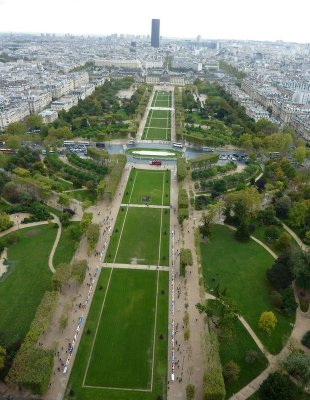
point(306, 339)
point(231, 372)
point(277, 386)
point(298, 365)
point(242, 233)
point(280, 275)
point(267, 321)
point(186, 259)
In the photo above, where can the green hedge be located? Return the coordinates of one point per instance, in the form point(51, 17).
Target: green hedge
point(181, 168)
point(186, 258)
point(32, 366)
point(183, 205)
point(213, 381)
point(117, 167)
point(87, 164)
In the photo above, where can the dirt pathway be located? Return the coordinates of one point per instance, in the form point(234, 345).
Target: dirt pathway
point(51, 256)
point(190, 354)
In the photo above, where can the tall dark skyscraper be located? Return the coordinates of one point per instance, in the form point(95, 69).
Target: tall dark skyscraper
point(155, 32)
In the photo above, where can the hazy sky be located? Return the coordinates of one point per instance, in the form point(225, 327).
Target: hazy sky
point(286, 20)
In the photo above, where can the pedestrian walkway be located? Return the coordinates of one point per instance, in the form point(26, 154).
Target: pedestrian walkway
point(143, 205)
point(135, 266)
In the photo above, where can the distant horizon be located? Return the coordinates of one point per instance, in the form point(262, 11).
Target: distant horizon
point(98, 35)
point(240, 20)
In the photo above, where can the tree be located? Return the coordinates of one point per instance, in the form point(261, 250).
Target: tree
point(100, 189)
point(190, 392)
point(267, 321)
point(276, 387)
point(231, 372)
point(251, 356)
point(2, 357)
point(61, 276)
point(86, 221)
point(297, 213)
point(244, 202)
point(92, 234)
point(306, 339)
point(242, 233)
point(186, 259)
point(34, 121)
point(64, 218)
point(282, 206)
point(280, 275)
point(298, 365)
point(5, 222)
point(16, 128)
point(300, 265)
point(78, 271)
point(284, 242)
point(300, 154)
point(64, 199)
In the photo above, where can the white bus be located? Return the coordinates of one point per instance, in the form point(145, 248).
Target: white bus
point(180, 145)
point(69, 143)
point(210, 149)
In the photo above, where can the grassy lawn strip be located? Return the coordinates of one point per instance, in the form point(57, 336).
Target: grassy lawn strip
point(22, 289)
point(140, 237)
point(66, 247)
point(82, 195)
point(148, 183)
point(156, 134)
point(235, 348)
point(240, 268)
point(122, 353)
point(124, 345)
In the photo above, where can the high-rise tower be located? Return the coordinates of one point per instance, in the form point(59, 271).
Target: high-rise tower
point(155, 33)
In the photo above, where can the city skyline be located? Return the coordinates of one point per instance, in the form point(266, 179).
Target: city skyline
point(236, 21)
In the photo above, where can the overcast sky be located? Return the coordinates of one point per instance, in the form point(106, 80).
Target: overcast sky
point(286, 20)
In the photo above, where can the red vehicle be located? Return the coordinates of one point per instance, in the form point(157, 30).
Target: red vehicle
point(155, 162)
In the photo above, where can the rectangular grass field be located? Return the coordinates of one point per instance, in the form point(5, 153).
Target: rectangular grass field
point(162, 99)
point(140, 236)
point(123, 350)
point(158, 125)
point(151, 187)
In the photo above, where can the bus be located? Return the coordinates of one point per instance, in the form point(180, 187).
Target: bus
point(68, 143)
point(209, 149)
point(180, 145)
point(7, 151)
point(274, 155)
point(155, 162)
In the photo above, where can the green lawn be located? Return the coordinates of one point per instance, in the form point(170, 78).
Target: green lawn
point(155, 184)
point(136, 237)
point(66, 185)
point(82, 195)
point(66, 247)
point(235, 348)
point(259, 233)
point(159, 114)
point(240, 268)
point(22, 289)
point(123, 349)
point(156, 133)
point(158, 125)
point(162, 99)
